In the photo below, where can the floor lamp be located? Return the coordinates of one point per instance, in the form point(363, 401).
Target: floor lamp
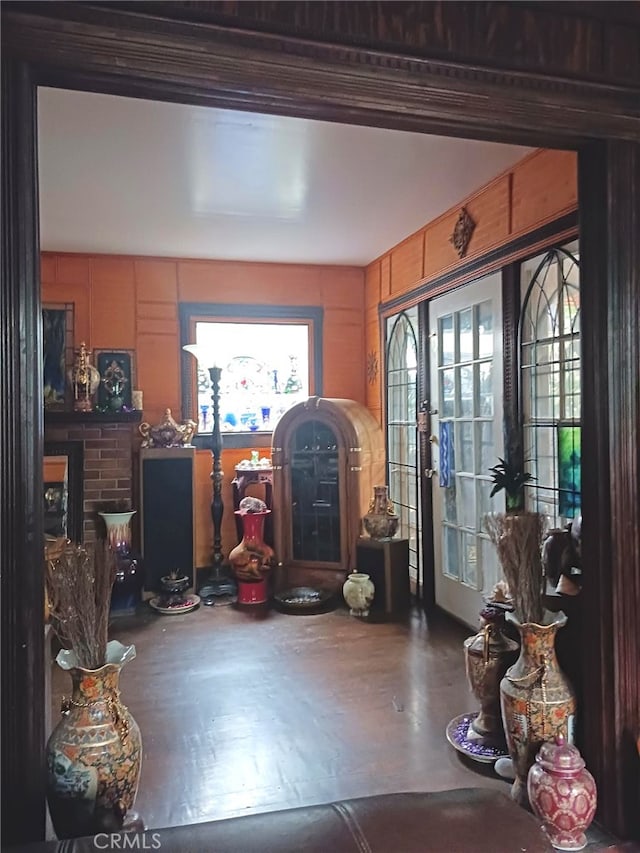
point(219, 585)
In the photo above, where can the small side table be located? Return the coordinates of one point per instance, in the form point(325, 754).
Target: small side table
point(386, 561)
point(244, 478)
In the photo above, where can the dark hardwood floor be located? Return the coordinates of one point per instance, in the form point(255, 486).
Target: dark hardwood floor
point(242, 714)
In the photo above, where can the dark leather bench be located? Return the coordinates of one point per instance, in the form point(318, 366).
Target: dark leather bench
point(468, 820)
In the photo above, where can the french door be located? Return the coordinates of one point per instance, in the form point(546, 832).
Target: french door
point(465, 329)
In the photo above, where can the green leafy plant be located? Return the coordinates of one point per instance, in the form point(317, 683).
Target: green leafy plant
point(512, 478)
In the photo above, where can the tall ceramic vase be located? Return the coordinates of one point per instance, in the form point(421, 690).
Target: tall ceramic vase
point(94, 753)
point(126, 594)
point(537, 700)
point(251, 559)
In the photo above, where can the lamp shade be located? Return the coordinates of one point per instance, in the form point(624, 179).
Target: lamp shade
point(204, 354)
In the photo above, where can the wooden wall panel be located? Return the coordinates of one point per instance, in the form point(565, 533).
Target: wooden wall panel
point(385, 277)
point(73, 269)
point(132, 303)
point(539, 188)
point(113, 303)
point(48, 268)
point(342, 287)
point(228, 281)
point(157, 326)
point(373, 347)
point(406, 263)
point(545, 185)
point(373, 278)
point(158, 374)
point(156, 280)
point(167, 311)
point(489, 208)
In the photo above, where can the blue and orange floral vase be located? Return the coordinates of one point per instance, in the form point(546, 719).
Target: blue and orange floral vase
point(94, 753)
point(537, 700)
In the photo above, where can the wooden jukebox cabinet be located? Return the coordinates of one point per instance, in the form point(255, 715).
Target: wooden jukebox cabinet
point(327, 455)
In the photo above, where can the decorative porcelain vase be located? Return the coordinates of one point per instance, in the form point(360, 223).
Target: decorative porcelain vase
point(488, 655)
point(84, 380)
point(252, 558)
point(562, 794)
point(381, 522)
point(537, 700)
point(358, 591)
point(94, 753)
point(126, 594)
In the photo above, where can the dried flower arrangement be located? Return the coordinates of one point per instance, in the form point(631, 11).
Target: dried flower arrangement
point(79, 582)
point(518, 542)
point(517, 536)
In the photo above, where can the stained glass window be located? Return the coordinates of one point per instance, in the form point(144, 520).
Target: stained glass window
point(265, 371)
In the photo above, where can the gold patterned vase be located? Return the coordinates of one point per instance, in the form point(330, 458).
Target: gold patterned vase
point(537, 700)
point(381, 522)
point(95, 751)
point(84, 380)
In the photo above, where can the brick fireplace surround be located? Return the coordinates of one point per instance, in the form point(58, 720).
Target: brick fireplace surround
point(108, 442)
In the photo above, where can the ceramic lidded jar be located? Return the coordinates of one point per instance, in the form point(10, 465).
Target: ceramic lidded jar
point(358, 591)
point(562, 794)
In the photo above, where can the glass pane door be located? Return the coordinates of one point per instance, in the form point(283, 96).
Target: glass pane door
point(466, 427)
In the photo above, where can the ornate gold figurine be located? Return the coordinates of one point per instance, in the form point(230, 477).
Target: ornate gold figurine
point(167, 433)
point(84, 380)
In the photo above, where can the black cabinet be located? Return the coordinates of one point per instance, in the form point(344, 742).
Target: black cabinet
point(386, 561)
point(167, 512)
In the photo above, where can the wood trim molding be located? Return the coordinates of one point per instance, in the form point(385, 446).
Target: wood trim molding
point(23, 687)
point(105, 48)
point(610, 296)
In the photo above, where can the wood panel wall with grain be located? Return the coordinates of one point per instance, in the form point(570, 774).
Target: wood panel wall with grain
point(124, 302)
point(538, 189)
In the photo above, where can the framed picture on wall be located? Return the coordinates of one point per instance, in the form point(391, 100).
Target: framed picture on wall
point(57, 353)
point(117, 378)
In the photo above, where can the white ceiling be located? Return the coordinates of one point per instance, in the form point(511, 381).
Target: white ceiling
point(126, 176)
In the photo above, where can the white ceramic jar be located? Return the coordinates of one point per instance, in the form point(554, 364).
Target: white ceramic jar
point(358, 591)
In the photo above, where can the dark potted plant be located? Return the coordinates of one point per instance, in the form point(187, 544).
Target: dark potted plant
point(511, 477)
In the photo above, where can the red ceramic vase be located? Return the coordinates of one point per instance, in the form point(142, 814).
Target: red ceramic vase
point(562, 794)
point(251, 559)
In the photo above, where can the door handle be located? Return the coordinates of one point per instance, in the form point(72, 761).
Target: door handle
point(430, 473)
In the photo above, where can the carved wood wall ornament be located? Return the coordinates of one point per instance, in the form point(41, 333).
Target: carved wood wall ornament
point(462, 232)
point(372, 367)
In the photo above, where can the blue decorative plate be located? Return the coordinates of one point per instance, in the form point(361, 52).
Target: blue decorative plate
point(462, 737)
